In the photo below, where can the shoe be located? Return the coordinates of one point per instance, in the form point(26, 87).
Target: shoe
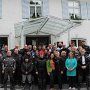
point(73, 88)
point(70, 88)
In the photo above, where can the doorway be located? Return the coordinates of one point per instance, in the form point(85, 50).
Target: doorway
point(3, 41)
point(38, 40)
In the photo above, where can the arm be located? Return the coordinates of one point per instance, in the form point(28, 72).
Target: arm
point(47, 66)
point(3, 66)
point(62, 64)
point(79, 63)
point(66, 64)
point(75, 65)
point(14, 65)
point(31, 67)
point(22, 68)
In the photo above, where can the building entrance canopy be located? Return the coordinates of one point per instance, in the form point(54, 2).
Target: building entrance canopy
point(46, 25)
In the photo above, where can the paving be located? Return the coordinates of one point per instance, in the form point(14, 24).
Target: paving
point(35, 87)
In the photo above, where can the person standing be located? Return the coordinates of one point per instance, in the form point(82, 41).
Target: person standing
point(26, 68)
point(83, 67)
point(18, 59)
point(50, 70)
point(1, 75)
point(59, 69)
point(8, 69)
point(41, 71)
point(71, 65)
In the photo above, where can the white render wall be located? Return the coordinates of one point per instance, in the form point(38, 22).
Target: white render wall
point(55, 7)
point(11, 14)
point(82, 31)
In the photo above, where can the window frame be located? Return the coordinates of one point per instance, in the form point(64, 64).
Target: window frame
point(77, 41)
point(35, 10)
point(73, 7)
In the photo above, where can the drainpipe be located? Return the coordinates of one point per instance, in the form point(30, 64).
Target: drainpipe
point(68, 37)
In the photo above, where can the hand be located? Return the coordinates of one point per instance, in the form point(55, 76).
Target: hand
point(61, 72)
point(70, 69)
point(13, 72)
point(49, 73)
point(37, 73)
point(26, 72)
point(3, 72)
point(83, 67)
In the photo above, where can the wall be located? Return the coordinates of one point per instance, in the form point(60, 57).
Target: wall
point(11, 14)
point(55, 8)
point(81, 31)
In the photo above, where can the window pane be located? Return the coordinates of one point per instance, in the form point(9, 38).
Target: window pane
point(71, 10)
point(38, 11)
point(32, 11)
point(70, 3)
point(76, 11)
point(76, 4)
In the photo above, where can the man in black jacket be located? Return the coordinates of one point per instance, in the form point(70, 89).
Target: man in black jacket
point(86, 47)
point(8, 69)
point(18, 59)
point(26, 68)
point(83, 67)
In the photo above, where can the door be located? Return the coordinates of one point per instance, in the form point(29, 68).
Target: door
point(37, 40)
point(3, 41)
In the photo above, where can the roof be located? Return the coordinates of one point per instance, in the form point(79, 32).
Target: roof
point(48, 25)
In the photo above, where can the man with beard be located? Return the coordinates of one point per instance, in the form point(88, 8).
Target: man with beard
point(18, 58)
point(24, 50)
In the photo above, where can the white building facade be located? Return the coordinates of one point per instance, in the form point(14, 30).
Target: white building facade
point(13, 13)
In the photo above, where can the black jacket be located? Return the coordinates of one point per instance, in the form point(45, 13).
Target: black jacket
point(18, 59)
point(59, 64)
point(41, 65)
point(27, 67)
point(87, 61)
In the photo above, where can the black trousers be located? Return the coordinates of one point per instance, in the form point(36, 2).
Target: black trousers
point(58, 78)
point(18, 76)
point(42, 80)
point(1, 77)
point(52, 79)
point(10, 74)
point(72, 81)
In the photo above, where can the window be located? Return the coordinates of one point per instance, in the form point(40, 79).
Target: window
point(35, 8)
point(74, 9)
point(78, 41)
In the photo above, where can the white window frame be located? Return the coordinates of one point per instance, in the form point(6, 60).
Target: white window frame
point(36, 5)
point(74, 7)
point(77, 40)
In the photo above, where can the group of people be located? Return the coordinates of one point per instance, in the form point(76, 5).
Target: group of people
point(45, 64)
